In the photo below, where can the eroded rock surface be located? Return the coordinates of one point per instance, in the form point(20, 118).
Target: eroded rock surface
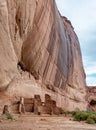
point(92, 98)
point(40, 53)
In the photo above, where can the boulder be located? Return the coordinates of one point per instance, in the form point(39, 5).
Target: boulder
point(91, 98)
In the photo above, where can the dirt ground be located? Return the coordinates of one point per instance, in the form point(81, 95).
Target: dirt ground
point(44, 122)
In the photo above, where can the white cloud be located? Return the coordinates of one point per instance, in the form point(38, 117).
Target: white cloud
point(91, 68)
point(81, 13)
point(91, 81)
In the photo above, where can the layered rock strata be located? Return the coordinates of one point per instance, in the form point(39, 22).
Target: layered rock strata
point(40, 53)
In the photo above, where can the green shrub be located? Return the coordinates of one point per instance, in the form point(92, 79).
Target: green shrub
point(80, 116)
point(69, 112)
point(92, 116)
point(74, 112)
point(9, 116)
point(88, 116)
point(90, 121)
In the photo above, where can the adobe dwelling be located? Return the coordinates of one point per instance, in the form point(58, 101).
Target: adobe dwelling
point(33, 105)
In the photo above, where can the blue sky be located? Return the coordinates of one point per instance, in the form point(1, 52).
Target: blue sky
point(82, 15)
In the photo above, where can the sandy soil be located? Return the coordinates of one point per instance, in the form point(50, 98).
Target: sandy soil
point(44, 122)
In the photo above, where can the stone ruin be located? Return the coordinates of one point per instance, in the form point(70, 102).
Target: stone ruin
point(5, 110)
point(36, 106)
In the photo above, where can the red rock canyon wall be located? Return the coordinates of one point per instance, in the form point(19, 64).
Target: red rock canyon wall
point(40, 53)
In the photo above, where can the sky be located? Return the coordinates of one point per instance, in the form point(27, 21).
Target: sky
point(81, 13)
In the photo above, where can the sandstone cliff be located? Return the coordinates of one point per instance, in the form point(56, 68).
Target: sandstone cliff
point(40, 53)
point(92, 98)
